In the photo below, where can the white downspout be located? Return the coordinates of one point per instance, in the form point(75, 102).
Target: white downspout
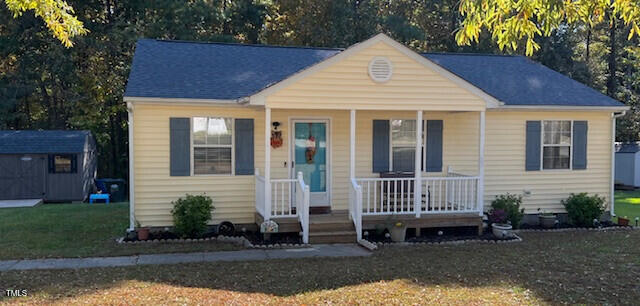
point(132, 194)
point(614, 116)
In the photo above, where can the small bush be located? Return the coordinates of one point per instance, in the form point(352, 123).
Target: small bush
point(583, 209)
point(510, 204)
point(191, 214)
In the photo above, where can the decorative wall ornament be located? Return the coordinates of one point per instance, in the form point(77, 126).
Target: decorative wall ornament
point(276, 136)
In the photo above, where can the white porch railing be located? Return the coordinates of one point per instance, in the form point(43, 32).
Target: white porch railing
point(302, 198)
point(289, 199)
point(383, 196)
point(355, 207)
point(454, 193)
point(283, 198)
point(260, 200)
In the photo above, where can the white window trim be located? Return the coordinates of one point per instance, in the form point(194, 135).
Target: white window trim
point(424, 143)
point(542, 146)
point(233, 147)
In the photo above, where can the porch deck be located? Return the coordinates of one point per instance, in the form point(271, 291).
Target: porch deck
point(336, 227)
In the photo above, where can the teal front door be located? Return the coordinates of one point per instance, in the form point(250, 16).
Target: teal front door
point(310, 156)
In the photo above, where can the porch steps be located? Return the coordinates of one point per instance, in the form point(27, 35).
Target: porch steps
point(332, 237)
point(334, 227)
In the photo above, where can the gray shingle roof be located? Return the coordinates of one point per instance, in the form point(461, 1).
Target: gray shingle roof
point(517, 80)
point(24, 141)
point(178, 69)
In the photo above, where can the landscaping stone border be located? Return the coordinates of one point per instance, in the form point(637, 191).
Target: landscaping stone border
point(451, 242)
point(578, 229)
point(238, 240)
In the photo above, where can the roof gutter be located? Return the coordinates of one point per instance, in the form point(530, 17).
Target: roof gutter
point(142, 100)
point(560, 108)
point(614, 116)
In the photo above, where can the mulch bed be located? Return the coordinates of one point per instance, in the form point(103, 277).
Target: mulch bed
point(602, 225)
point(437, 235)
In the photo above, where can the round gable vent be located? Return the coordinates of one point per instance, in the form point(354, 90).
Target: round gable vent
point(380, 69)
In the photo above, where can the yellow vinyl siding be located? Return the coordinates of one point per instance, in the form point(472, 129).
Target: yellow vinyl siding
point(154, 189)
point(346, 85)
point(233, 196)
point(505, 160)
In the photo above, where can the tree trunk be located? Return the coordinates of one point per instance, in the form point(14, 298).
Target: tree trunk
point(611, 81)
point(588, 45)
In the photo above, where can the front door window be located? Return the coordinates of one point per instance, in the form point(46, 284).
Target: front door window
point(310, 150)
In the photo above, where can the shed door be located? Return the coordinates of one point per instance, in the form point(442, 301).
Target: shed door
point(22, 177)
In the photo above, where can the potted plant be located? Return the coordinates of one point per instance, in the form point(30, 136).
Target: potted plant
point(398, 231)
point(499, 225)
point(547, 219)
point(623, 221)
point(143, 232)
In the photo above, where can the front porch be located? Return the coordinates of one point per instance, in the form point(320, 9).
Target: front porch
point(421, 198)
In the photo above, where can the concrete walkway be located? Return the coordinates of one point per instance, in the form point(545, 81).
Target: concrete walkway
point(19, 203)
point(323, 250)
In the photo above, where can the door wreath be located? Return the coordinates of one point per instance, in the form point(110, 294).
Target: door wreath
point(311, 147)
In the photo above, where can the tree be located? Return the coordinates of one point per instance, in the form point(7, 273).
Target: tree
point(57, 15)
point(513, 23)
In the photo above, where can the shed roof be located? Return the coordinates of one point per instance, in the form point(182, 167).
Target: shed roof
point(197, 70)
point(44, 142)
point(629, 147)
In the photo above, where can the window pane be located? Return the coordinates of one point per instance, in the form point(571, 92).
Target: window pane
point(556, 157)
point(62, 164)
point(404, 159)
point(212, 160)
point(403, 133)
point(199, 130)
point(557, 132)
point(219, 131)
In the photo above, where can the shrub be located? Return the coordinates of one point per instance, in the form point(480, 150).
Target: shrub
point(510, 204)
point(583, 209)
point(191, 214)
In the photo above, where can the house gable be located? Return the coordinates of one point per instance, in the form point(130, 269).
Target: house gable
point(343, 82)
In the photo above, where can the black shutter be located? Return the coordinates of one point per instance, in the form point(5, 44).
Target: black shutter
point(244, 148)
point(532, 162)
point(74, 163)
point(180, 146)
point(380, 145)
point(434, 145)
point(52, 165)
point(580, 145)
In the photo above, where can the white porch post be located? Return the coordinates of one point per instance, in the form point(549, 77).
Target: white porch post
point(267, 163)
point(480, 188)
point(352, 147)
point(417, 201)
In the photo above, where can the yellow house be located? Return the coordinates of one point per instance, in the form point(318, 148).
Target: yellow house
point(330, 142)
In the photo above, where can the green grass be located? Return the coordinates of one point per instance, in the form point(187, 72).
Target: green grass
point(546, 268)
point(77, 230)
point(627, 204)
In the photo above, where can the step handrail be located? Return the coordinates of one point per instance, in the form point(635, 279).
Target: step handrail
point(302, 199)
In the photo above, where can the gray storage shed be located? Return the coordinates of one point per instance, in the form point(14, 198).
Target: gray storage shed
point(50, 165)
point(628, 164)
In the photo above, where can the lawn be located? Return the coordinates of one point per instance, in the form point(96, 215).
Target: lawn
point(77, 230)
point(627, 204)
point(546, 268)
